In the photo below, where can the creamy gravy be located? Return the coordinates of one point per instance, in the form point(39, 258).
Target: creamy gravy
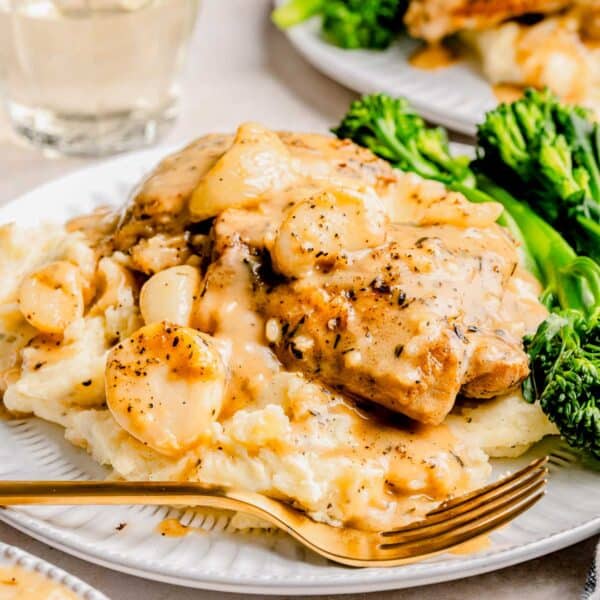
point(478, 544)
point(433, 56)
point(17, 583)
point(227, 309)
point(173, 528)
point(507, 92)
point(422, 463)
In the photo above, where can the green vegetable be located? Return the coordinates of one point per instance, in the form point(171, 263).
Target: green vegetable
point(390, 128)
point(296, 11)
point(565, 375)
point(549, 154)
point(347, 23)
point(362, 23)
point(565, 351)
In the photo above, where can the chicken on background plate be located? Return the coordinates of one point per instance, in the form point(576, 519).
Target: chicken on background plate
point(522, 43)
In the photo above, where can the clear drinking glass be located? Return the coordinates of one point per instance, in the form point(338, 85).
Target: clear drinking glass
point(93, 77)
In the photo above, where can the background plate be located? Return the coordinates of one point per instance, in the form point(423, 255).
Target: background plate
point(9, 556)
point(218, 559)
point(457, 96)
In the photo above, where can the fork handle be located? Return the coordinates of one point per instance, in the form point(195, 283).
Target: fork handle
point(149, 493)
point(127, 492)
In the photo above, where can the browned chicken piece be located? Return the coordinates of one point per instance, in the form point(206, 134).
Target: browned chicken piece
point(497, 362)
point(590, 21)
point(409, 324)
point(432, 20)
point(151, 229)
point(160, 203)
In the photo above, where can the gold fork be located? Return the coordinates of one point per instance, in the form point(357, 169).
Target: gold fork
point(453, 523)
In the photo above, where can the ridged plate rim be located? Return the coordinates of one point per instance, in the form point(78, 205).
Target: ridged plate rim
point(11, 555)
point(457, 96)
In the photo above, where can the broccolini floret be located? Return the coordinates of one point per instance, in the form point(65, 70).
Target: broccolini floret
point(549, 154)
point(347, 23)
point(565, 376)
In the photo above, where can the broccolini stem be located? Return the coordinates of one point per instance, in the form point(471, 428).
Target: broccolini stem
point(590, 226)
point(295, 11)
point(505, 220)
point(584, 275)
point(584, 143)
point(574, 281)
point(547, 247)
point(420, 166)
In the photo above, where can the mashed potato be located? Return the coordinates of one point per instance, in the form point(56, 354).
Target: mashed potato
point(552, 53)
point(296, 440)
point(503, 427)
point(294, 443)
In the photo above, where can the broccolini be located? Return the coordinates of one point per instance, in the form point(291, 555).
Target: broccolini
point(549, 154)
point(564, 353)
point(347, 23)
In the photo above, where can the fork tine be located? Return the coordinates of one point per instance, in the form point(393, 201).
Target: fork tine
point(497, 485)
point(508, 486)
point(471, 501)
point(462, 518)
point(391, 554)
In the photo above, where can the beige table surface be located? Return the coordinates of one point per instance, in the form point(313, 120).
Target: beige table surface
point(242, 69)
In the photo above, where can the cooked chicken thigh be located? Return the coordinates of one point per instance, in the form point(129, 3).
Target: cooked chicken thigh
point(433, 20)
point(406, 324)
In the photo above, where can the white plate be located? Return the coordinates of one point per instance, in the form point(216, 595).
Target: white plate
point(457, 96)
point(32, 449)
point(11, 556)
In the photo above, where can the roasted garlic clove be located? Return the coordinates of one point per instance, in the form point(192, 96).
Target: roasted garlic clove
point(52, 297)
point(114, 281)
point(170, 295)
point(257, 163)
point(318, 230)
point(165, 386)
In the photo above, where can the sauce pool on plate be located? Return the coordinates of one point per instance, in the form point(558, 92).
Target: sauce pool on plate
point(433, 56)
point(507, 92)
point(17, 583)
point(173, 528)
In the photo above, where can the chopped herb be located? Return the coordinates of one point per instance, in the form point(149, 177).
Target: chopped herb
point(337, 340)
